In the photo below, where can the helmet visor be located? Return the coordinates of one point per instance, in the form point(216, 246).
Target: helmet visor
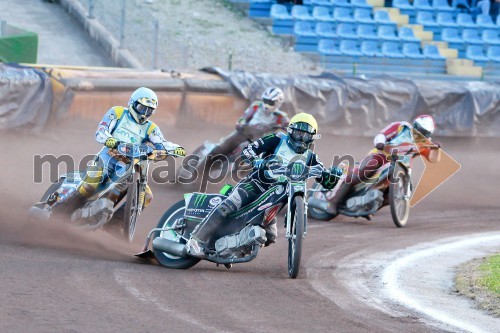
point(299, 135)
point(269, 102)
point(144, 110)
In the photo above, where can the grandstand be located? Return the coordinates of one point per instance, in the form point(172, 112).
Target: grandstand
point(418, 39)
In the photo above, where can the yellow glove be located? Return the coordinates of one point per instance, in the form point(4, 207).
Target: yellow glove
point(111, 142)
point(179, 151)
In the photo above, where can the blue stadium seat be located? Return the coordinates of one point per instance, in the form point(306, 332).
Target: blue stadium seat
point(382, 18)
point(301, 13)
point(498, 21)
point(442, 6)
point(347, 31)
point(350, 48)
point(361, 4)
point(343, 15)
point(404, 7)
point(370, 49)
point(366, 32)
point(471, 36)
point(391, 50)
point(451, 36)
point(427, 20)
point(326, 30)
point(485, 21)
point(490, 37)
point(493, 53)
point(406, 35)
point(282, 20)
point(328, 47)
point(387, 33)
point(422, 5)
point(462, 3)
point(475, 52)
point(320, 2)
point(322, 14)
point(446, 20)
point(464, 20)
point(341, 3)
point(364, 16)
point(412, 50)
point(304, 28)
point(280, 12)
point(260, 8)
point(432, 52)
point(306, 39)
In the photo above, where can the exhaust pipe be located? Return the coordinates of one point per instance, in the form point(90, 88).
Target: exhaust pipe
point(318, 204)
point(171, 247)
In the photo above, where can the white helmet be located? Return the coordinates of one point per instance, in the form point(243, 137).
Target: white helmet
point(142, 104)
point(273, 98)
point(425, 124)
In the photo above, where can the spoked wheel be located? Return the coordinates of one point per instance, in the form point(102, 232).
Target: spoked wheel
point(398, 198)
point(131, 208)
point(316, 213)
point(173, 215)
point(295, 240)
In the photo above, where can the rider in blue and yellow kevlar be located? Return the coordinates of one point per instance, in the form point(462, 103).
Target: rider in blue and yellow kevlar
point(279, 148)
point(123, 125)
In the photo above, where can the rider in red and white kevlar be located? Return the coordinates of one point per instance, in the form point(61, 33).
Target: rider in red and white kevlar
point(261, 116)
point(420, 130)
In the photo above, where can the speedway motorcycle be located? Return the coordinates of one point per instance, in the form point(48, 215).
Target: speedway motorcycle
point(242, 234)
point(199, 160)
point(115, 205)
point(390, 185)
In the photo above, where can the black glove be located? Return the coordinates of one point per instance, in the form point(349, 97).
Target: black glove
point(330, 178)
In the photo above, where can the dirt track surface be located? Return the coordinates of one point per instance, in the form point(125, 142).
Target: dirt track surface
point(56, 278)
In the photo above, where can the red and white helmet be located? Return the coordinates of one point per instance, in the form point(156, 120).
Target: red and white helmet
point(273, 98)
point(425, 124)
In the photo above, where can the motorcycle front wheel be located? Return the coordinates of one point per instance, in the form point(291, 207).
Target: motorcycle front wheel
point(131, 208)
point(171, 216)
point(298, 220)
point(398, 199)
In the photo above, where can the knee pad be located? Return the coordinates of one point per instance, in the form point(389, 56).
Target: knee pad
point(148, 197)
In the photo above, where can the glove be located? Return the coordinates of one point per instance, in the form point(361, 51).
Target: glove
point(179, 151)
point(111, 143)
point(336, 172)
point(329, 178)
point(258, 163)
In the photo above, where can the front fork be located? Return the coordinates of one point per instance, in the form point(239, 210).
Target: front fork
point(144, 166)
point(288, 216)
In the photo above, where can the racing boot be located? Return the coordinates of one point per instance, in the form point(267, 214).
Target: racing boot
point(203, 232)
point(344, 188)
point(271, 232)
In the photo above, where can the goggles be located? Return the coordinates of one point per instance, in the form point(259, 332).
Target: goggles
point(299, 135)
point(144, 110)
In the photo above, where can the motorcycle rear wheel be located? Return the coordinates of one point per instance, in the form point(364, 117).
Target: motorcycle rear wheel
point(400, 206)
point(316, 213)
point(131, 208)
point(295, 240)
point(167, 220)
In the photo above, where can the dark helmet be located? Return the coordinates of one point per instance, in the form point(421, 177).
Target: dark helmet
point(301, 132)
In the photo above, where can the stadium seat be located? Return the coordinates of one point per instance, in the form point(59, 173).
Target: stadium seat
point(462, 3)
point(326, 30)
point(471, 36)
point(464, 20)
point(432, 52)
point(350, 48)
point(404, 7)
point(370, 49)
point(412, 50)
point(485, 21)
point(328, 47)
point(490, 37)
point(320, 3)
point(361, 4)
point(446, 20)
point(381, 17)
point(364, 16)
point(343, 15)
point(282, 20)
point(426, 19)
point(493, 53)
point(406, 35)
point(475, 52)
point(304, 28)
point(442, 6)
point(366, 32)
point(347, 31)
point(422, 5)
point(322, 14)
point(301, 13)
point(260, 8)
point(451, 35)
point(391, 50)
point(341, 3)
point(498, 21)
point(387, 33)
point(280, 12)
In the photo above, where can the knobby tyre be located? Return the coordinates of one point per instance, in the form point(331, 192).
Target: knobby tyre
point(296, 238)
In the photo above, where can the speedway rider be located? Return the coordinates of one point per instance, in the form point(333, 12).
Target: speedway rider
point(420, 131)
point(279, 148)
point(123, 125)
point(260, 116)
